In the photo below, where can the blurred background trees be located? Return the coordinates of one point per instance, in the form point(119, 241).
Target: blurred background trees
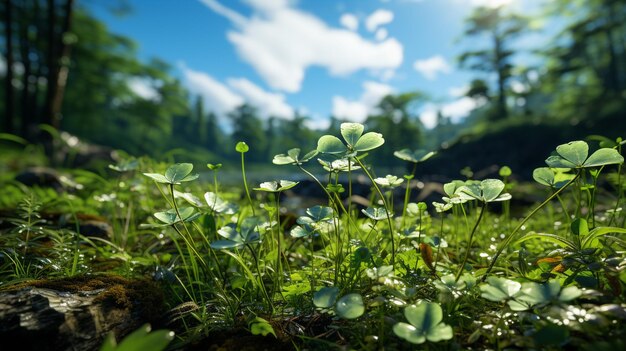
point(64, 68)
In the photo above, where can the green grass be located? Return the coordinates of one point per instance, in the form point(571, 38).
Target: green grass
point(463, 273)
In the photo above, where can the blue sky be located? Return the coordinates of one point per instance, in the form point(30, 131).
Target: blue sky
point(320, 57)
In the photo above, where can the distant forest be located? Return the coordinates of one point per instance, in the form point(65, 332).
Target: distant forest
point(63, 68)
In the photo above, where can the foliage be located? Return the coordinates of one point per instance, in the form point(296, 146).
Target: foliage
point(141, 339)
point(409, 277)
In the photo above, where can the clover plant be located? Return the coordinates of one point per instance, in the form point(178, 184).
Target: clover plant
point(425, 323)
point(349, 306)
point(355, 142)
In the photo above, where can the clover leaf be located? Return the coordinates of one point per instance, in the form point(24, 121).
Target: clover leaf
point(574, 155)
point(532, 294)
point(440, 207)
point(175, 174)
point(293, 157)
point(242, 147)
point(425, 324)
point(170, 217)
point(307, 225)
point(189, 197)
point(553, 178)
point(389, 181)
point(355, 140)
point(498, 289)
point(350, 306)
point(325, 297)
point(235, 238)
point(218, 205)
point(416, 156)
point(340, 165)
point(489, 190)
point(302, 230)
point(320, 213)
point(276, 186)
point(377, 213)
point(329, 144)
point(260, 326)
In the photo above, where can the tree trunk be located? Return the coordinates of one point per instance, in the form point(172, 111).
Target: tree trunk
point(52, 59)
point(613, 81)
point(10, 92)
point(500, 70)
point(25, 50)
point(59, 78)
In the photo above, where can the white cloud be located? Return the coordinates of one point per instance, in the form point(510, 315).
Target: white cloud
point(432, 66)
point(268, 104)
point(143, 88)
point(378, 18)
point(491, 3)
point(223, 98)
point(459, 91)
point(218, 97)
point(455, 110)
point(381, 34)
point(317, 123)
point(519, 87)
point(218, 8)
point(281, 42)
point(358, 110)
point(349, 21)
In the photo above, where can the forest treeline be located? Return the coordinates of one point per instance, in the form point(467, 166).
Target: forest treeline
point(62, 67)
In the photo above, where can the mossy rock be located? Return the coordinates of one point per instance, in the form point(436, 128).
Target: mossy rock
point(76, 313)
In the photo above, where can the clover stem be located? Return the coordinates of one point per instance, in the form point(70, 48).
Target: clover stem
point(387, 211)
point(439, 246)
point(509, 238)
point(565, 211)
point(465, 217)
point(192, 253)
point(177, 210)
point(212, 254)
point(349, 186)
point(279, 261)
point(330, 197)
point(261, 284)
point(419, 233)
point(245, 183)
point(593, 197)
point(469, 242)
point(215, 184)
point(619, 193)
point(407, 195)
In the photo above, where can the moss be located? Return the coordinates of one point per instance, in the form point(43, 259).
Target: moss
point(142, 296)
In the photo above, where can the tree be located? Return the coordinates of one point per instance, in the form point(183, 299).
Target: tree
point(214, 134)
point(198, 130)
point(400, 127)
point(38, 39)
point(295, 133)
point(586, 64)
point(246, 127)
point(501, 28)
point(8, 82)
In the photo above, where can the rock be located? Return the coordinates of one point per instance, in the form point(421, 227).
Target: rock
point(42, 177)
point(76, 313)
point(77, 153)
point(100, 229)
